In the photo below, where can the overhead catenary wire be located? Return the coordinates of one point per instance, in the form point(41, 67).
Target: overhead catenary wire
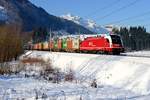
point(144, 25)
point(138, 20)
point(128, 26)
point(103, 8)
point(129, 18)
point(119, 9)
point(140, 23)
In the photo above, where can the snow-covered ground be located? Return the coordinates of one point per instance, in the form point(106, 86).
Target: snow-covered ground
point(14, 87)
point(118, 77)
point(138, 53)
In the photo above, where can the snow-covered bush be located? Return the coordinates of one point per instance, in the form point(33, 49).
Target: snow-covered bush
point(94, 84)
point(36, 67)
point(9, 68)
point(4, 70)
point(69, 76)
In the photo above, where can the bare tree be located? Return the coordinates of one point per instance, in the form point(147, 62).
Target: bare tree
point(10, 42)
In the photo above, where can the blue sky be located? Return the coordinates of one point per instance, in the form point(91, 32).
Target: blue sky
point(101, 10)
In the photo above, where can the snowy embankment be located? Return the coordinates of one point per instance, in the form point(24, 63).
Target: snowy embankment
point(128, 73)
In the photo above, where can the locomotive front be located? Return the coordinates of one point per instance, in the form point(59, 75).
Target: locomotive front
point(116, 44)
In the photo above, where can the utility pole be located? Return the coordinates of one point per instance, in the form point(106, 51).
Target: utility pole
point(50, 40)
point(79, 40)
point(79, 31)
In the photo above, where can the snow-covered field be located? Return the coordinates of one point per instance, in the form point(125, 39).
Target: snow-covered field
point(16, 87)
point(118, 77)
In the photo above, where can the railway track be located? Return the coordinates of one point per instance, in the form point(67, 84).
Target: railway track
point(134, 55)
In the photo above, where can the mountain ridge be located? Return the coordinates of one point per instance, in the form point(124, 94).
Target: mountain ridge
point(30, 17)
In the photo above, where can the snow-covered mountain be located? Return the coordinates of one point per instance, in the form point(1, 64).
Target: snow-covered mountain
point(3, 15)
point(1, 7)
point(30, 16)
point(89, 24)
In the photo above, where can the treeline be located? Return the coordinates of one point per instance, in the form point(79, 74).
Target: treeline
point(40, 34)
point(134, 38)
point(10, 42)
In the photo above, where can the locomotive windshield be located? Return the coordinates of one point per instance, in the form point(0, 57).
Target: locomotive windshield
point(115, 39)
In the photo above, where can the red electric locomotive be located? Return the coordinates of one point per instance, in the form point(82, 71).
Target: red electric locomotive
point(110, 44)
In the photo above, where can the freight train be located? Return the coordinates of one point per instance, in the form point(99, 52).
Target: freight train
point(102, 43)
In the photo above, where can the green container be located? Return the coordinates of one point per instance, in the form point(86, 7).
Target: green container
point(64, 44)
point(55, 44)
